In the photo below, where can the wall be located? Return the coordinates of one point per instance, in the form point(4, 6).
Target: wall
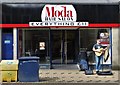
point(115, 48)
point(119, 49)
point(0, 29)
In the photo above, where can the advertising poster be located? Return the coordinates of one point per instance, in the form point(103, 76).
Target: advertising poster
point(59, 42)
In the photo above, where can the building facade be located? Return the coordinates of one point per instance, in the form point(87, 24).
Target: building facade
point(57, 45)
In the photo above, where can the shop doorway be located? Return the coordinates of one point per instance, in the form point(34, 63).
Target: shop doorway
point(65, 46)
point(7, 46)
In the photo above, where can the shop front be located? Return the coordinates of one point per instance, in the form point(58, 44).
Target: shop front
point(57, 46)
point(56, 35)
point(62, 45)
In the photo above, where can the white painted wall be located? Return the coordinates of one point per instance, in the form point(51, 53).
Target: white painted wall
point(14, 43)
point(0, 32)
point(115, 47)
point(119, 49)
point(0, 44)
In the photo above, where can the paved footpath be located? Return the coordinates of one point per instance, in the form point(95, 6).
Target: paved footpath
point(70, 77)
point(75, 76)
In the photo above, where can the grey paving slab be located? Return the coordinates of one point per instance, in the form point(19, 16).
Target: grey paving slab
point(78, 76)
point(67, 76)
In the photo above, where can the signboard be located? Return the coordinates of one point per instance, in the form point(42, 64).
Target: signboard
point(104, 39)
point(7, 41)
point(58, 15)
point(42, 45)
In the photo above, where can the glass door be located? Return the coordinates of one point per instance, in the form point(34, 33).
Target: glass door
point(65, 46)
point(57, 46)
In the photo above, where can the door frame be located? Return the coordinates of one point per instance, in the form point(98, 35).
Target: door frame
point(64, 57)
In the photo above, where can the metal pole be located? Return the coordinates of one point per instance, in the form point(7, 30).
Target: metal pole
point(79, 39)
point(61, 47)
point(50, 50)
point(111, 46)
point(23, 42)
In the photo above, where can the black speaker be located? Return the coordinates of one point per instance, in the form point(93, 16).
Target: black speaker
point(105, 73)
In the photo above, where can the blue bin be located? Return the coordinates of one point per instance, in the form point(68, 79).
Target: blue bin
point(28, 69)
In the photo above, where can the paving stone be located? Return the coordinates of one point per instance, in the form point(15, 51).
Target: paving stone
point(72, 77)
point(63, 77)
point(77, 73)
point(105, 77)
point(89, 81)
point(47, 73)
point(54, 73)
point(80, 81)
point(96, 77)
point(98, 81)
point(55, 77)
point(62, 73)
point(47, 77)
point(71, 81)
point(70, 73)
point(60, 81)
point(107, 81)
point(113, 77)
point(116, 81)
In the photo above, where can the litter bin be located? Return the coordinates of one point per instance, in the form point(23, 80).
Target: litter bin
point(28, 69)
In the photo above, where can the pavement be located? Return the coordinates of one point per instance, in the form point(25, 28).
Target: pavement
point(75, 76)
point(66, 75)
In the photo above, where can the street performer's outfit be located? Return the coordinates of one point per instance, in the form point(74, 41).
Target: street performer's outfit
point(98, 58)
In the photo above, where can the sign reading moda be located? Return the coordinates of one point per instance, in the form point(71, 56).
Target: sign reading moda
point(58, 15)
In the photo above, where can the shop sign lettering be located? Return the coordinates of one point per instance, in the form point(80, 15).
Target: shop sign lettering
point(58, 13)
